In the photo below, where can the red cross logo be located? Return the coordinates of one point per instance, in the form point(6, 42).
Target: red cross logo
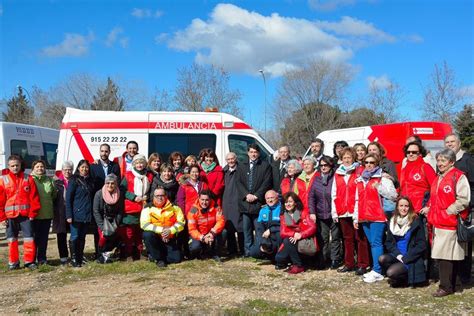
point(417, 177)
point(447, 189)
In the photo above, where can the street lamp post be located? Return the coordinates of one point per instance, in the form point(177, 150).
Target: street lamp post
point(265, 103)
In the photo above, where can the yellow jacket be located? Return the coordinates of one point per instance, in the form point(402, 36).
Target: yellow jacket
point(156, 219)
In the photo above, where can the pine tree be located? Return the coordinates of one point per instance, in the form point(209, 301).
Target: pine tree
point(464, 126)
point(19, 110)
point(108, 99)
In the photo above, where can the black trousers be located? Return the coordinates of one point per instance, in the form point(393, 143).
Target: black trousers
point(448, 271)
point(289, 252)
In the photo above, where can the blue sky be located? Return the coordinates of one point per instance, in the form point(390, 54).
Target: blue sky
point(44, 42)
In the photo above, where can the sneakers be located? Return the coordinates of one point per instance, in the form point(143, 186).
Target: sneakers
point(294, 269)
point(368, 273)
point(14, 266)
point(373, 277)
point(31, 266)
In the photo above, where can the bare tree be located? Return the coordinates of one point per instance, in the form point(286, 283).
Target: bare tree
point(200, 87)
point(77, 91)
point(386, 100)
point(161, 100)
point(50, 112)
point(307, 100)
point(442, 95)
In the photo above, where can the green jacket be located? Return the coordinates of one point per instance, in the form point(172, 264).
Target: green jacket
point(47, 193)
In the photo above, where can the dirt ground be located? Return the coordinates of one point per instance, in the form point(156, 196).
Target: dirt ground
point(237, 286)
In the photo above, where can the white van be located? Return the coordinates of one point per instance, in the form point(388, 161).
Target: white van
point(30, 143)
point(82, 132)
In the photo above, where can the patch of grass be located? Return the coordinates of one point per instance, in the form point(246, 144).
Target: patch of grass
point(45, 268)
point(235, 279)
point(261, 307)
point(30, 310)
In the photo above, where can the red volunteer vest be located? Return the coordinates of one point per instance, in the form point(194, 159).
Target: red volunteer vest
point(415, 183)
point(370, 204)
point(132, 206)
point(443, 194)
point(345, 193)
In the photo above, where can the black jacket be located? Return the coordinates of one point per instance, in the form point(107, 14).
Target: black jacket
point(171, 188)
point(112, 212)
point(97, 172)
point(415, 252)
point(79, 195)
point(262, 182)
point(230, 199)
point(466, 165)
point(277, 175)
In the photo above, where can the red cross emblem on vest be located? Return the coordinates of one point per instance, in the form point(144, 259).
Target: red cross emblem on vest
point(417, 177)
point(447, 189)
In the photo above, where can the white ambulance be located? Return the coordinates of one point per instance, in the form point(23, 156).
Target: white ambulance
point(30, 142)
point(82, 132)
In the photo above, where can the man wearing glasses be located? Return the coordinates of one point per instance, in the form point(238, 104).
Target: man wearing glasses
point(161, 221)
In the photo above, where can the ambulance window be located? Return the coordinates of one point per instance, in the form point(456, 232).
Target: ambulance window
point(238, 144)
point(34, 151)
point(187, 144)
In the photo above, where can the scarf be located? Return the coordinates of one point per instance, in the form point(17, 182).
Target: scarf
point(345, 170)
point(141, 184)
point(208, 168)
point(325, 178)
point(366, 174)
point(289, 220)
point(401, 227)
point(110, 198)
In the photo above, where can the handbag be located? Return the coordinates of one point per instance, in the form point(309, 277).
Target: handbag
point(465, 230)
point(308, 246)
point(109, 227)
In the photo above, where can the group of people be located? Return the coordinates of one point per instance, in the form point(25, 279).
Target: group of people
point(350, 212)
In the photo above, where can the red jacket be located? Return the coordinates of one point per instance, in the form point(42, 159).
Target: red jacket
point(305, 226)
point(130, 205)
point(187, 195)
point(345, 193)
point(370, 205)
point(215, 182)
point(299, 187)
point(122, 162)
point(201, 223)
point(443, 194)
point(19, 196)
point(415, 181)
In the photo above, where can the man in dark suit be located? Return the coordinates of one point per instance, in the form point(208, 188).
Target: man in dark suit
point(98, 171)
point(465, 163)
point(103, 167)
point(279, 167)
point(254, 178)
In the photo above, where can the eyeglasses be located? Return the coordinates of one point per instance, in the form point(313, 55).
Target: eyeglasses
point(324, 165)
point(369, 162)
point(110, 183)
point(159, 195)
point(409, 152)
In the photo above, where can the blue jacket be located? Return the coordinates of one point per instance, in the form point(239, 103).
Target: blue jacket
point(414, 256)
point(268, 218)
point(79, 197)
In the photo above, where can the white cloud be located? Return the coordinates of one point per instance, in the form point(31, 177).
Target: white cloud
point(245, 41)
point(355, 28)
point(381, 82)
point(413, 38)
point(146, 13)
point(73, 45)
point(161, 38)
point(113, 36)
point(329, 5)
point(467, 92)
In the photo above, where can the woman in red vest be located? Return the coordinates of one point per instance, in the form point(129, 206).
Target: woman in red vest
point(372, 187)
point(450, 196)
point(292, 183)
point(136, 184)
point(416, 175)
point(212, 174)
point(342, 210)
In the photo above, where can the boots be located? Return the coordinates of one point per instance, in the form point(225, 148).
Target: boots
point(73, 249)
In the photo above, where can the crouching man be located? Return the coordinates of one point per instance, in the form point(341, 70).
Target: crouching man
point(267, 230)
point(205, 225)
point(161, 221)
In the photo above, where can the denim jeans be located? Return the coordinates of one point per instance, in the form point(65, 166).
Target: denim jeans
point(249, 222)
point(375, 233)
point(161, 251)
point(197, 247)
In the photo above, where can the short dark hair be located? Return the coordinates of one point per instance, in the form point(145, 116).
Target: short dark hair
point(105, 144)
point(415, 143)
point(132, 142)
point(342, 143)
point(206, 192)
point(253, 146)
point(15, 157)
point(37, 162)
point(295, 197)
point(208, 152)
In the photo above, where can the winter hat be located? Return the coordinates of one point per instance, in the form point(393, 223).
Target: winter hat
point(139, 157)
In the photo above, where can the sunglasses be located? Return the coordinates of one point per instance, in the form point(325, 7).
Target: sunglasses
point(369, 162)
point(409, 152)
point(159, 195)
point(324, 165)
